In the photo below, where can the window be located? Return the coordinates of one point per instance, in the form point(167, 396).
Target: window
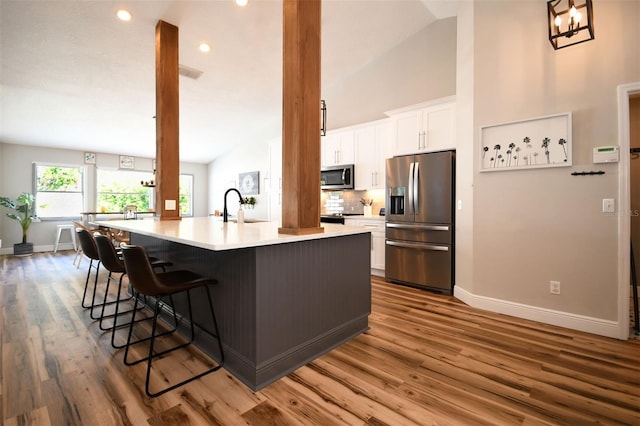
point(119, 188)
point(186, 195)
point(59, 191)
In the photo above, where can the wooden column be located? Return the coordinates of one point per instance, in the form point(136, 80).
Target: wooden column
point(167, 122)
point(301, 117)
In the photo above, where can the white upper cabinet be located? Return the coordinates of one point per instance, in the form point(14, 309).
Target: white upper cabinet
point(425, 127)
point(373, 146)
point(337, 148)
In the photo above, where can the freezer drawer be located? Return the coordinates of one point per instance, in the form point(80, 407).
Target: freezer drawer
point(420, 232)
point(419, 264)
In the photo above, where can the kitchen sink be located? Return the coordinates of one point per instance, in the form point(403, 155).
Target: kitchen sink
point(247, 220)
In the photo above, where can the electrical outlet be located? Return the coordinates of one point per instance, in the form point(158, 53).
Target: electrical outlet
point(554, 287)
point(608, 205)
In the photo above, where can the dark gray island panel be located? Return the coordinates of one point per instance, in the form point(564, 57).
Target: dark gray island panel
point(279, 306)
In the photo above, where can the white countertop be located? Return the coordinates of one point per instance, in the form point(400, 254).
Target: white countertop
point(363, 217)
point(213, 234)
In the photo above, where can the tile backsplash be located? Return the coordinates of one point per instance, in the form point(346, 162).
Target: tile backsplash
point(348, 201)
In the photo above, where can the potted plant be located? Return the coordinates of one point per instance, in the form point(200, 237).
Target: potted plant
point(24, 207)
point(249, 202)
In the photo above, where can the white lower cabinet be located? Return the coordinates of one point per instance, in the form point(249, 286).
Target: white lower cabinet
point(377, 241)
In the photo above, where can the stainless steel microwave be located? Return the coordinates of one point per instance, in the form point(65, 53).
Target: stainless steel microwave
point(337, 177)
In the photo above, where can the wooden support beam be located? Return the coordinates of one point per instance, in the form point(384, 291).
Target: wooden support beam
point(301, 117)
point(167, 122)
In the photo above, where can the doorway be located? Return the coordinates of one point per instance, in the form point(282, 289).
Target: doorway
point(634, 186)
point(628, 116)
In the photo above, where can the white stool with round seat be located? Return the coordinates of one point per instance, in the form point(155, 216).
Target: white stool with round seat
point(72, 233)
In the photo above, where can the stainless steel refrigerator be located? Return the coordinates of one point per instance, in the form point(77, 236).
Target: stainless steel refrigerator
point(419, 244)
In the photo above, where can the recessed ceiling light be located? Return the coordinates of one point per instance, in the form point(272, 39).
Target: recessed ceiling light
point(124, 15)
point(241, 2)
point(204, 47)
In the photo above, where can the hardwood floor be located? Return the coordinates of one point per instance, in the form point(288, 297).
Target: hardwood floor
point(427, 359)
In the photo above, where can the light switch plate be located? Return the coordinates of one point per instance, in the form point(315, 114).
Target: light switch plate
point(169, 204)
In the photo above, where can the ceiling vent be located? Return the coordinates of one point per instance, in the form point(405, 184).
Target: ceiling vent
point(189, 72)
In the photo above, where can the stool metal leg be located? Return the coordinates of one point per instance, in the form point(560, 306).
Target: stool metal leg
point(192, 338)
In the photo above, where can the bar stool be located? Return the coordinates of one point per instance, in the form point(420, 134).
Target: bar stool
point(70, 228)
point(80, 225)
point(164, 285)
point(115, 265)
point(90, 249)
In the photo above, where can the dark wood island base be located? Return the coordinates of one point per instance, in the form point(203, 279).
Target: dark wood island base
point(279, 306)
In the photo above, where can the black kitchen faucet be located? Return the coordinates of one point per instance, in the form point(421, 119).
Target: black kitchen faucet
point(225, 215)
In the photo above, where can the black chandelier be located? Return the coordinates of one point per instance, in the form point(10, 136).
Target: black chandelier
point(570, 22)
point(323, 111)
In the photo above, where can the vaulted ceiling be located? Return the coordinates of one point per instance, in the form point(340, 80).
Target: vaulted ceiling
point(74, 76)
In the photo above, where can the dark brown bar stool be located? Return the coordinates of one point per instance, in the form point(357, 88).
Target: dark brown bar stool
point(90, 250)
point(112, 262)
point(164, 285)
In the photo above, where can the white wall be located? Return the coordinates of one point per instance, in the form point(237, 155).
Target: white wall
point(406, 75)
point(533, 226)
point(465, 131)
point(223, 174)
point(16, 177)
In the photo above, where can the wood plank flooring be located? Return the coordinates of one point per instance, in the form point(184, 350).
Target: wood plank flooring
point(427, 359)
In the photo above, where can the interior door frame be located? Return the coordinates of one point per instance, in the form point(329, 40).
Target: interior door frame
point(624, 206)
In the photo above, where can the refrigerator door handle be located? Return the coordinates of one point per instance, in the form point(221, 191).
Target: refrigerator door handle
point(418, 246)
point(416, 188)
point(419, 227)
point(410, 189)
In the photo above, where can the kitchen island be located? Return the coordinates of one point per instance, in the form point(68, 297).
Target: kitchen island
point(281, 300)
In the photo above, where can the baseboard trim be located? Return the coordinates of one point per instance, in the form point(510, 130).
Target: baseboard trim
point(587, 324)
point(39, 249)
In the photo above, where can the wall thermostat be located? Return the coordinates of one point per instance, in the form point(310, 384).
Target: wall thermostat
point(606, 154)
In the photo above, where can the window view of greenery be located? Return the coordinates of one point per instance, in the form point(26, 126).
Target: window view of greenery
point(186, 191)
point(120, 188)
point(117, 189)
point(58, 191)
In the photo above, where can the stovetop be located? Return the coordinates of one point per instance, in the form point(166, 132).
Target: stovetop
point(341, 214)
